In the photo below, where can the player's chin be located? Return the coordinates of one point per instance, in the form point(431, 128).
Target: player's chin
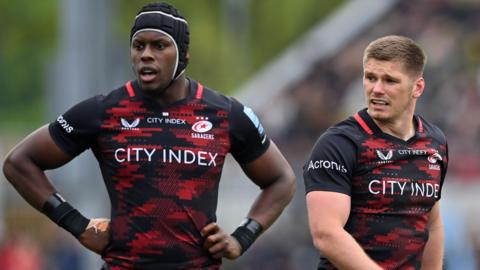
point(151, 86)
point(379, 115)
point(146, 86)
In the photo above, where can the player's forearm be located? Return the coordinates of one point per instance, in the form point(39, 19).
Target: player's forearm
point(32, 184)
point(29, 180)
point(266, 209)
point(433, 254)
point(273, 199)
point(342, 250)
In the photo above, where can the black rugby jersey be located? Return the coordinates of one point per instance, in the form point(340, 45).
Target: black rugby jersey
point(161, 167)
point(393, 185)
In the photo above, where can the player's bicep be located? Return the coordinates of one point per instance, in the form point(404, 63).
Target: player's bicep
point(327, 210)
point(269, 167)
point(40, 149)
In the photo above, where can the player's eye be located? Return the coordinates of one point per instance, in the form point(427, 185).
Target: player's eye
point(370, 78)
point(160, 45)
point(138, 46)
point(391, 80)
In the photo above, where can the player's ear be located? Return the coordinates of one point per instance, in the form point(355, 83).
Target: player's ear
point(419, 86)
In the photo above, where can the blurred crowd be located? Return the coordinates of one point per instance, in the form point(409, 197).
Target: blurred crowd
point(30, 242)
point(449, 32)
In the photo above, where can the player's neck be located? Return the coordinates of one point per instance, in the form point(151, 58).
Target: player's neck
point(402, 129)
point(176, 91)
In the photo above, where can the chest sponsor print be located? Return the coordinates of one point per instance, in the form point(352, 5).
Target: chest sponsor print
point(404, 188)
point(166, 155)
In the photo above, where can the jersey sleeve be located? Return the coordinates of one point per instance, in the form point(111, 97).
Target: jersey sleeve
point(330, 165)
point(75, 130)
point(247, 136)
point(444, 161)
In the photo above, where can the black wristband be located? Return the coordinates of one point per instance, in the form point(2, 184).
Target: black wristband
point(247, 233)
point(62, 213)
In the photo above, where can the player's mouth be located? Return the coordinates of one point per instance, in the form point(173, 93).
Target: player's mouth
point(379, 103)
point(147, 74)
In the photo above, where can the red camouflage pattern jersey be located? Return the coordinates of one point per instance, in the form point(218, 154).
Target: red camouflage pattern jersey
point(393, 185)
point(161, 167)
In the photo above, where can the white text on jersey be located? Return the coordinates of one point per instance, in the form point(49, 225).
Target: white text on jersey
point(393, 187)
point(171, 121)
point(326, 164)
point(65, 125)
point(137, 154)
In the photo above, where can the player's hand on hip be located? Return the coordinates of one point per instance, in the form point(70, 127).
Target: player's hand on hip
point(220, 244)
point(97, 235)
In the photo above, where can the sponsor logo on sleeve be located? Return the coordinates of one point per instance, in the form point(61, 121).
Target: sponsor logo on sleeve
point(326, 165)
point(256, 122)
point(64, 124)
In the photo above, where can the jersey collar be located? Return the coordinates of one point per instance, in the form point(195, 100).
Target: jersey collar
point(195, 89)
point(369, 126)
